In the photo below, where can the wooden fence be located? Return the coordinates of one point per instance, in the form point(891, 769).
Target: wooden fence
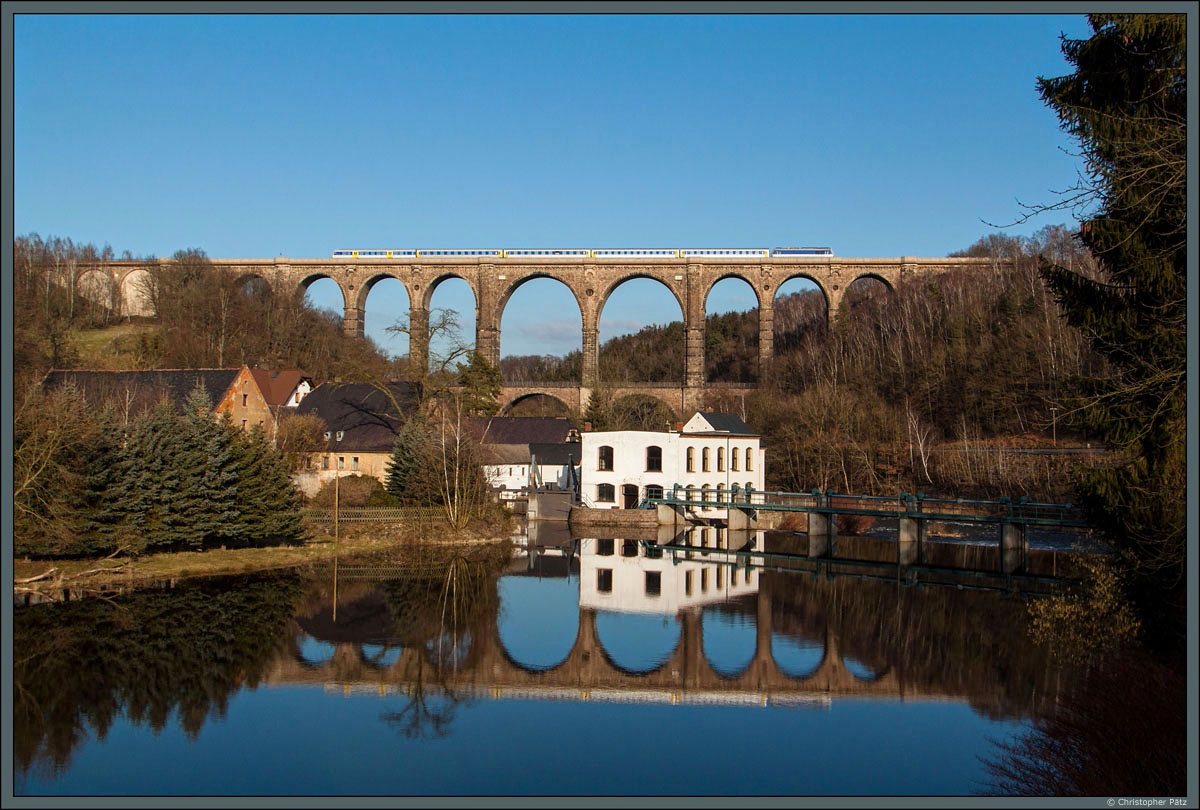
point(374, 514)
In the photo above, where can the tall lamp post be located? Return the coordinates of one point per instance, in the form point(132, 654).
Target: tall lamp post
point(337, 477)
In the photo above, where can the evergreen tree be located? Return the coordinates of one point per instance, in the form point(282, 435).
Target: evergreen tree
point(270, 504)
point(97, 507)
point(149, 476)
point(218, 500)
point(481, 383)
point(1126, 103)
point(402, 468)
point(596, 411)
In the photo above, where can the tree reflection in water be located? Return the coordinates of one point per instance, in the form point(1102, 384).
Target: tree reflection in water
point(148, 655)
point(1122, 733)
point(441, 599)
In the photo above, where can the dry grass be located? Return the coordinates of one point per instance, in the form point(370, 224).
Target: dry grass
point(106, 348)
point(353, 540)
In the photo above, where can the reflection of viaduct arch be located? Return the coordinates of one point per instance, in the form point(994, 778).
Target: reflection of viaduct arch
point(588, 666)
point(493, 280)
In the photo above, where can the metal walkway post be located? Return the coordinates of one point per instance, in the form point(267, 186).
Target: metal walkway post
point(822, 529)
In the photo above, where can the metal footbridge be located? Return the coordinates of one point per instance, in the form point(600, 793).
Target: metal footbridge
point(913, 514)
point(1004, 510)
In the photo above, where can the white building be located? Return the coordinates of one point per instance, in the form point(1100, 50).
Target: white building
point(512, 470)
point(711, 453)
point(629, 576)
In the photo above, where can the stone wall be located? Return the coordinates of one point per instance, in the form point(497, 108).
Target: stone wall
point(620, 518)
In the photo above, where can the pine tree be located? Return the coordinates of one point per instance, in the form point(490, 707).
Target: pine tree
point(481, 383)
point(596, 411)
point(149, 478)
point(1126, 103)
point(270, 504)
point(96, 509)
point(403, 466)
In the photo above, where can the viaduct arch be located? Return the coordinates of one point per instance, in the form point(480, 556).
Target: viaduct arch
point(591, 281)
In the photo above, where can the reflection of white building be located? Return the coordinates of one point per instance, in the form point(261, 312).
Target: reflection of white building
point(711, 453)
point(630, 576)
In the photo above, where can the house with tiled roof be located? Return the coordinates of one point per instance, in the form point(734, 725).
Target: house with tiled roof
point(521, 452)
point(283, 389)
point(250, 397)
point(136, 390)
point(362, 421)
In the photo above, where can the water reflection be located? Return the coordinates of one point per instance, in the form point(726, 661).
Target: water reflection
point(436, 636)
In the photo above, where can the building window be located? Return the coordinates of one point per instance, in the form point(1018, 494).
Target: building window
point(704, 460)
point(720, 493)
point(324, 462)
point(733, 459)
point(653, 459)
point(354, 462)
point(341, 462)
point(654, 491)
point(653, 583)
point(704, 493)
point(704, 580)
point(244, 400)
point(720, 459)
point(687, 583)
point(297, 397)
point(604, 547)
point(243, 424)
point(604, 580)
point(629, 548)
point(691, 459)
point(749, 459)
point(720, 578)
point(605, 462)
point(605, 493)
point(734, 577)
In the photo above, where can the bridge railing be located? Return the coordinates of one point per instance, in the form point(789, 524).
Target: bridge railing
point(919, 506)
point(542, 384)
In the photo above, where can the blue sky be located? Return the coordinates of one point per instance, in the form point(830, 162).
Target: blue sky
point(266, 135)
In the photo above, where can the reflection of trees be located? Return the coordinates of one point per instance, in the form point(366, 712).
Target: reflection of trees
point(150, 654)
point(442, 599)
point(1123, 733)
point(936, 639)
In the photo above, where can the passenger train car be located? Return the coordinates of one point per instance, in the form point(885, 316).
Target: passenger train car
point(584, 253)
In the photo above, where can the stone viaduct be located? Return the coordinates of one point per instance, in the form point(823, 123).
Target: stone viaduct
point(493, 280)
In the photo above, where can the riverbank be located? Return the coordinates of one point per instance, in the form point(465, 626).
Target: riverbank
point(48, 576)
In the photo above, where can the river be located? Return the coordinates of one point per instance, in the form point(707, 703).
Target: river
point(559, 666)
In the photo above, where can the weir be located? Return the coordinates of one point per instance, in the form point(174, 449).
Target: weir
point(912, 512)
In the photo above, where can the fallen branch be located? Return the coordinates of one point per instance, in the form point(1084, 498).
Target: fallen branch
point(27, 580)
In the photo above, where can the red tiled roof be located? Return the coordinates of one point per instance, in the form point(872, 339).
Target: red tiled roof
point(276, 385)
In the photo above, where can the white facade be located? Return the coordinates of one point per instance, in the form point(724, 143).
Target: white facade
point(620, 468)
point(297, 394)
point(629, 577)
point(512, 480)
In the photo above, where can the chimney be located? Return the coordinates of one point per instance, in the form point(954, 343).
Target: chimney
point(587, 425)
point(679, 427)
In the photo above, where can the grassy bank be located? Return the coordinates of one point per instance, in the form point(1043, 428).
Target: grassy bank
point(99, 574)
